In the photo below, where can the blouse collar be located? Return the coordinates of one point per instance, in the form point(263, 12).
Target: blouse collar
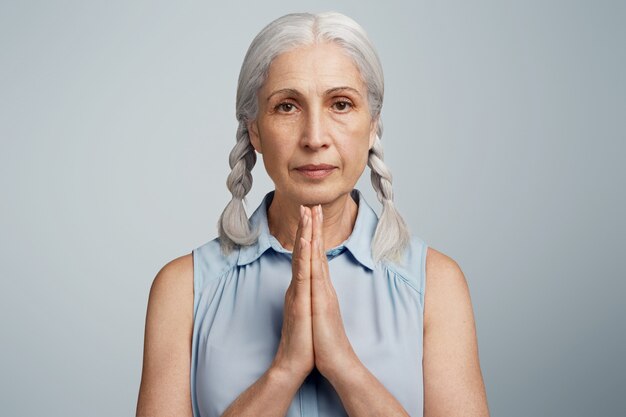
point(358, 243)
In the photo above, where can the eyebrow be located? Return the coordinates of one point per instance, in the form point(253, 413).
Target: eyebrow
point(333, 90)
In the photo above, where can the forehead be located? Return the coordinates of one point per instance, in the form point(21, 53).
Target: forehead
point(320, 66)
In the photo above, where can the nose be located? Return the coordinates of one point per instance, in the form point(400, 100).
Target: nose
point(314, 134)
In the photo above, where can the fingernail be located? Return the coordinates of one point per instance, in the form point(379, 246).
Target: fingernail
point(301, 211)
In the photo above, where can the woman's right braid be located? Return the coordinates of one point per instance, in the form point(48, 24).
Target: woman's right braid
point(234, 227)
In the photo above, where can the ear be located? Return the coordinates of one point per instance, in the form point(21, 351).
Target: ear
point(253, 134)
point(373, 130)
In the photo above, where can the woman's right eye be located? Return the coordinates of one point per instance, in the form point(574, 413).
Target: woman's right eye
point(285, 107)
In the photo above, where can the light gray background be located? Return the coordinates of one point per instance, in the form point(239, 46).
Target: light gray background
point(504, 129)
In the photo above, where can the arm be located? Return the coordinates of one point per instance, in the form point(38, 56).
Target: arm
point(360, 392)
point(453, 383)
point(165, 386)
point(363, 395)
point(272, 393)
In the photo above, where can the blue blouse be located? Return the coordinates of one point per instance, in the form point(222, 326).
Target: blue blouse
point(238, 313)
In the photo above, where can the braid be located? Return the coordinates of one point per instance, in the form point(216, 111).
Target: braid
point(392, 234)
point(233, 225)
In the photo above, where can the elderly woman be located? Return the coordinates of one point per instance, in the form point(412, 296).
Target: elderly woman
point(313, 306)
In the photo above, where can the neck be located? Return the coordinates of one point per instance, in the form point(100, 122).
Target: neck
point(283, 217)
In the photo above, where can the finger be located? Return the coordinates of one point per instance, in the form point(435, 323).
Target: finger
point(307, 229)
point(303, 266)
point(321, 271)
point(304, 256)
point(316, 262)
point(318, 255)
point(297, 253)
point(320, 233)
point(296, 243)
point(317, 227)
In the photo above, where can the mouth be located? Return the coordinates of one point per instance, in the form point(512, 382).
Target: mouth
point(316, 171)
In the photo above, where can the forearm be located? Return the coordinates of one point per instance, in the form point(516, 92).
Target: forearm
point(363, 395)
point(270, 396)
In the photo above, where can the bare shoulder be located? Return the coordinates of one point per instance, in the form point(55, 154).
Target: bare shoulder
point(453, 383)
point(165, 380)
point(446, 287)
point(174, 282)
point(441, 265)
point(170, 301)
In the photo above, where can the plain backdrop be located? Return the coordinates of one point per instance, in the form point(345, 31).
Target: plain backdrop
point(504, 130)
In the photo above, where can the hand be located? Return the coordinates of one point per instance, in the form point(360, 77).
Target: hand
point(333, 351)
point(295, 350)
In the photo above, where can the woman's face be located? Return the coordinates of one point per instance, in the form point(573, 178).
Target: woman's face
point(313, 110)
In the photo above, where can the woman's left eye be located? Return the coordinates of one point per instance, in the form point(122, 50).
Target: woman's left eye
point(342, 105)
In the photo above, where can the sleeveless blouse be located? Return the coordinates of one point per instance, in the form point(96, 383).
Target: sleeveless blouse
point(238, 313)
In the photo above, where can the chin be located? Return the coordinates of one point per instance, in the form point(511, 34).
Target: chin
point(318, 194)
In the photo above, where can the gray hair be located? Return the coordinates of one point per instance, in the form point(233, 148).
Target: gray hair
point(391, 237)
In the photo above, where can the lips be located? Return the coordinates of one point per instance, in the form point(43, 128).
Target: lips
point(312, 167)
point(316, 171)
